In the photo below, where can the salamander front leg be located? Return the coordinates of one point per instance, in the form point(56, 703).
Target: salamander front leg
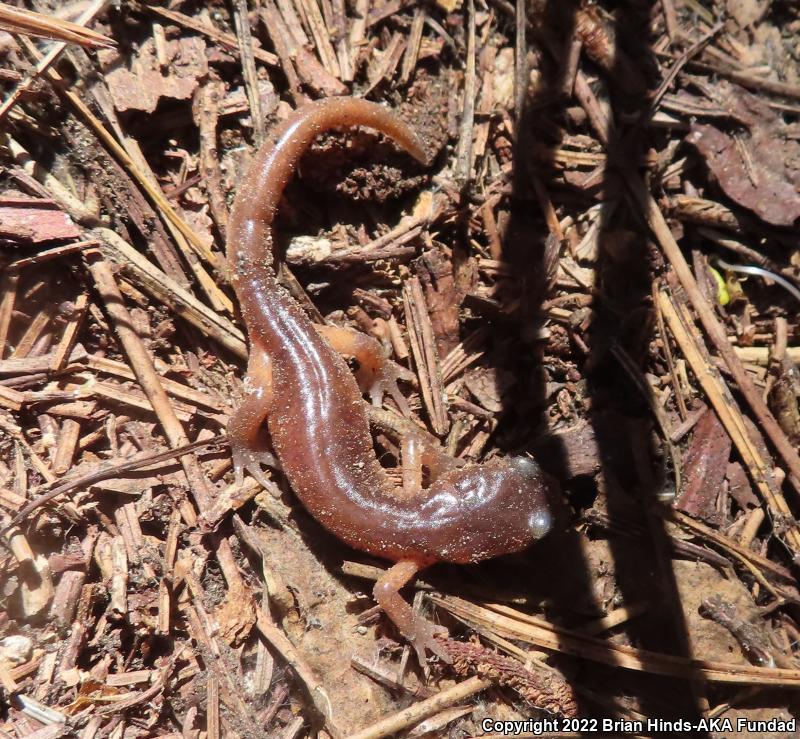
point(417, 451)
point(376, 374)
point(419, 632)
point(247, 431)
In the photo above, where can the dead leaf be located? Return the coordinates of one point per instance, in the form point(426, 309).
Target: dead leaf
point(739, 486)
point(756, 164)
point(705, 464)
point(34, 220)
point(235, 616)
point(489, 386)
point(143, 85)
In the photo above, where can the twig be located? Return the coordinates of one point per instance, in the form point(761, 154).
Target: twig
point(396, 722)
point(545, 689)
point(315, 689)
point(8, 296)
point(38, 25)
point(597, 116)
point(291, 19)
point(716, 332)
point(358, 28)
point(223, 39)
point(687, 55)
point(514, 624)
point(521, 67)
point(391, 244)
point(751, 82)
point(343, 52)
point(426, 356)
point(412, 49)
point(153, 191)
point(670, 20)
point(44, 62)
point(148, 378)
point(463, 164)
point(206, 111)
point(213, 719)
point(570, 66)
point(70, 334)
point(322, 40)
point(738, 248)
point(383, 66)
point(35, 365)
point(676, 388)
point(28, 167)
point(178, 390)
point(727, 544)
point(730, 417)
point(146, 695)
point(156, 283)
point(109, 472)
point(162, 250)
point(245, 39)
point(279, 34)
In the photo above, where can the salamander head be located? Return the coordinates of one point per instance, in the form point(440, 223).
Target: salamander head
point(523, 475)
point(499, 507)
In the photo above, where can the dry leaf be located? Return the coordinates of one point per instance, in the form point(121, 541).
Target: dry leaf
point(705, 464)
point(488, 386)
point(235, 616)
point(34, 220)
point(755, 163)
point(143, 85)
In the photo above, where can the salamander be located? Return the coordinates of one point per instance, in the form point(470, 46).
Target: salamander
point(301, 396)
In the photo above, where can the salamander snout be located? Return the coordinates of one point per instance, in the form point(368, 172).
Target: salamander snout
point(527, 490)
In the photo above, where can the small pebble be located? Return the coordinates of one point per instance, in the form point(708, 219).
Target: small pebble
point(15, 650)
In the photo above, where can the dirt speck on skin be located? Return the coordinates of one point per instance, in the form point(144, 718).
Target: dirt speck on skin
point(323, 627)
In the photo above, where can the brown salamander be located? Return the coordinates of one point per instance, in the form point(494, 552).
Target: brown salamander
point(300, 390)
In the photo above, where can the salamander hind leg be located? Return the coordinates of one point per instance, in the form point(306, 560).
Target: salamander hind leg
point(420, 632)
point(377, 375)
point(247, 431)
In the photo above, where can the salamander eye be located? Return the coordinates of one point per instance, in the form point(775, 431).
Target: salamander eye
point(540, 522)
